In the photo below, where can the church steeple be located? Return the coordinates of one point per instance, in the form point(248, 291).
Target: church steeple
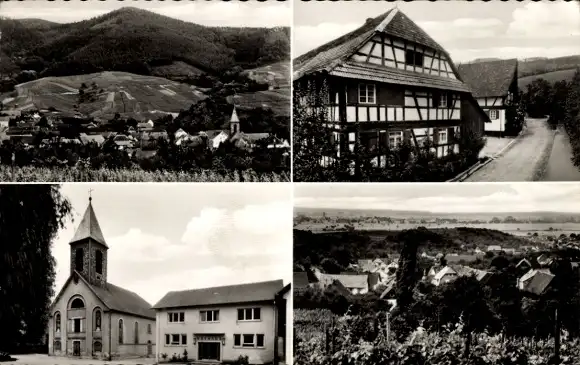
point(234, 123)
point(89, 249)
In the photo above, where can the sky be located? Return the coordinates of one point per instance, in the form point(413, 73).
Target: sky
point(211, 13)
point(444, 198)
point(165, 237)
point(467, 30)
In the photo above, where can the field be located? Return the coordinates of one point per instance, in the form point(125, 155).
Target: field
point(129, 94)
point(277, 74)
point(343, 344)
point(519, 229)
point(69, 174)
point(278, 100)
point(551, 77)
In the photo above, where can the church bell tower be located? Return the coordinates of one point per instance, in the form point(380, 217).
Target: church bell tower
point(234, 123)
point(88, 249)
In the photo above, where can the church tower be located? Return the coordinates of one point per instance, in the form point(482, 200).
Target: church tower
point(88, 250)
point(234, 123)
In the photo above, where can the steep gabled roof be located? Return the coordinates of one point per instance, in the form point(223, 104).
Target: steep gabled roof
point(231, 294)
point(349, 281)
point(300, 280)
point(114, 298)
point(89, 228)
point(332, 56)
point(489, 78)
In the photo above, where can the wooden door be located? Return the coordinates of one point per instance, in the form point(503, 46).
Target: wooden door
point(76, 348)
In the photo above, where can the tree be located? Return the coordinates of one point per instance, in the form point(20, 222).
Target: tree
point(30, 216)
point(538, 98)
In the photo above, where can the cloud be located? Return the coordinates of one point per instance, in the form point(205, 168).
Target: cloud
point(466, 28)
point(217, 247)
point(308, 37)
point(546, 20)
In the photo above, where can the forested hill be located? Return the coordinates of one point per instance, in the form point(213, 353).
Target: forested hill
point(137, 41)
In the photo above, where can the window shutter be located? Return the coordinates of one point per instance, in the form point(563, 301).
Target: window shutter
point(407, 136)
point(167, 339)
point(451, 135)
point(435, 136)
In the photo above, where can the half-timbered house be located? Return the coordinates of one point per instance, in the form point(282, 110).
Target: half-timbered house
point(494, 84)
point(388, 82)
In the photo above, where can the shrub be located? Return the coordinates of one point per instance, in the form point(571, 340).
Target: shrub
point(242, 360)
point(164, 356)
point(184, 357)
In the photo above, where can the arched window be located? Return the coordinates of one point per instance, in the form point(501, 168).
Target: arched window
point(77, 303)
point(99, 263)
point(97, 320)
point(57, 346)
point(57, 322)
point(136, 333)
point(121, 331)
point(97, 346)
point(79, 259)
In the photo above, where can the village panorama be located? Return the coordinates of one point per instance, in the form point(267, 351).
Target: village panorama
point(436, 91)
point(135, 95)
point(437, 274)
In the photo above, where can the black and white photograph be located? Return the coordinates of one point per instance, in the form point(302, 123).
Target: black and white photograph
point(436, 91)
point(153, 91)
point(134, 274)
point(481, 273)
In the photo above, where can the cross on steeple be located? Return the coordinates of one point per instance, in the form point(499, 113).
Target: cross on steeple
point(90, 195)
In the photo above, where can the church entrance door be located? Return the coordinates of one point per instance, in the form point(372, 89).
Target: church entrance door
point(76, 348)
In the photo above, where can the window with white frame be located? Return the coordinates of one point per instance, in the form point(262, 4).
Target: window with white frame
point(173, 317)
point(249, 340)
point(209, 316)
point(175, 339)
point(493, 114)
point(442, 137)
point(443, 100)
point(249, 314)
point(395, 139)
point(366, 94)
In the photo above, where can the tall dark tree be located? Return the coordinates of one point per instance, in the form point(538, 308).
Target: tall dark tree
point(30, 217)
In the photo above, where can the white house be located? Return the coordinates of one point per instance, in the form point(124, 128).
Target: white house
point(220, 323)
point(494, 84)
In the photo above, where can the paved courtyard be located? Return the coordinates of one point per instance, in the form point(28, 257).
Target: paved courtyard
point(40, 359)
point(494, 145)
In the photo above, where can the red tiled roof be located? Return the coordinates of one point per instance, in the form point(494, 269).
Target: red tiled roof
point(242, 293)
point(489, 78)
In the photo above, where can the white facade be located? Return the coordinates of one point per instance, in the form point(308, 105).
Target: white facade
point(496, 116)
point(289, 327)
point(227, 335)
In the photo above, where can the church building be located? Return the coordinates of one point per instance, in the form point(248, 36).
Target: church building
point(90, 317)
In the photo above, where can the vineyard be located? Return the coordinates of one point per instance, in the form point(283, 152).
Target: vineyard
point(66, 174)
point(322, 338)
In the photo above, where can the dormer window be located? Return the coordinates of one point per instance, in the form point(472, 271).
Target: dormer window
point(413, 58)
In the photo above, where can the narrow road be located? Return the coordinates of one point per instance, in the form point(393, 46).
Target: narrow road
point(560, 166)
point(520, 161)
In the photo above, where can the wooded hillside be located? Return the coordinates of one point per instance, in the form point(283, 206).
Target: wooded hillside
point(137, 41)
